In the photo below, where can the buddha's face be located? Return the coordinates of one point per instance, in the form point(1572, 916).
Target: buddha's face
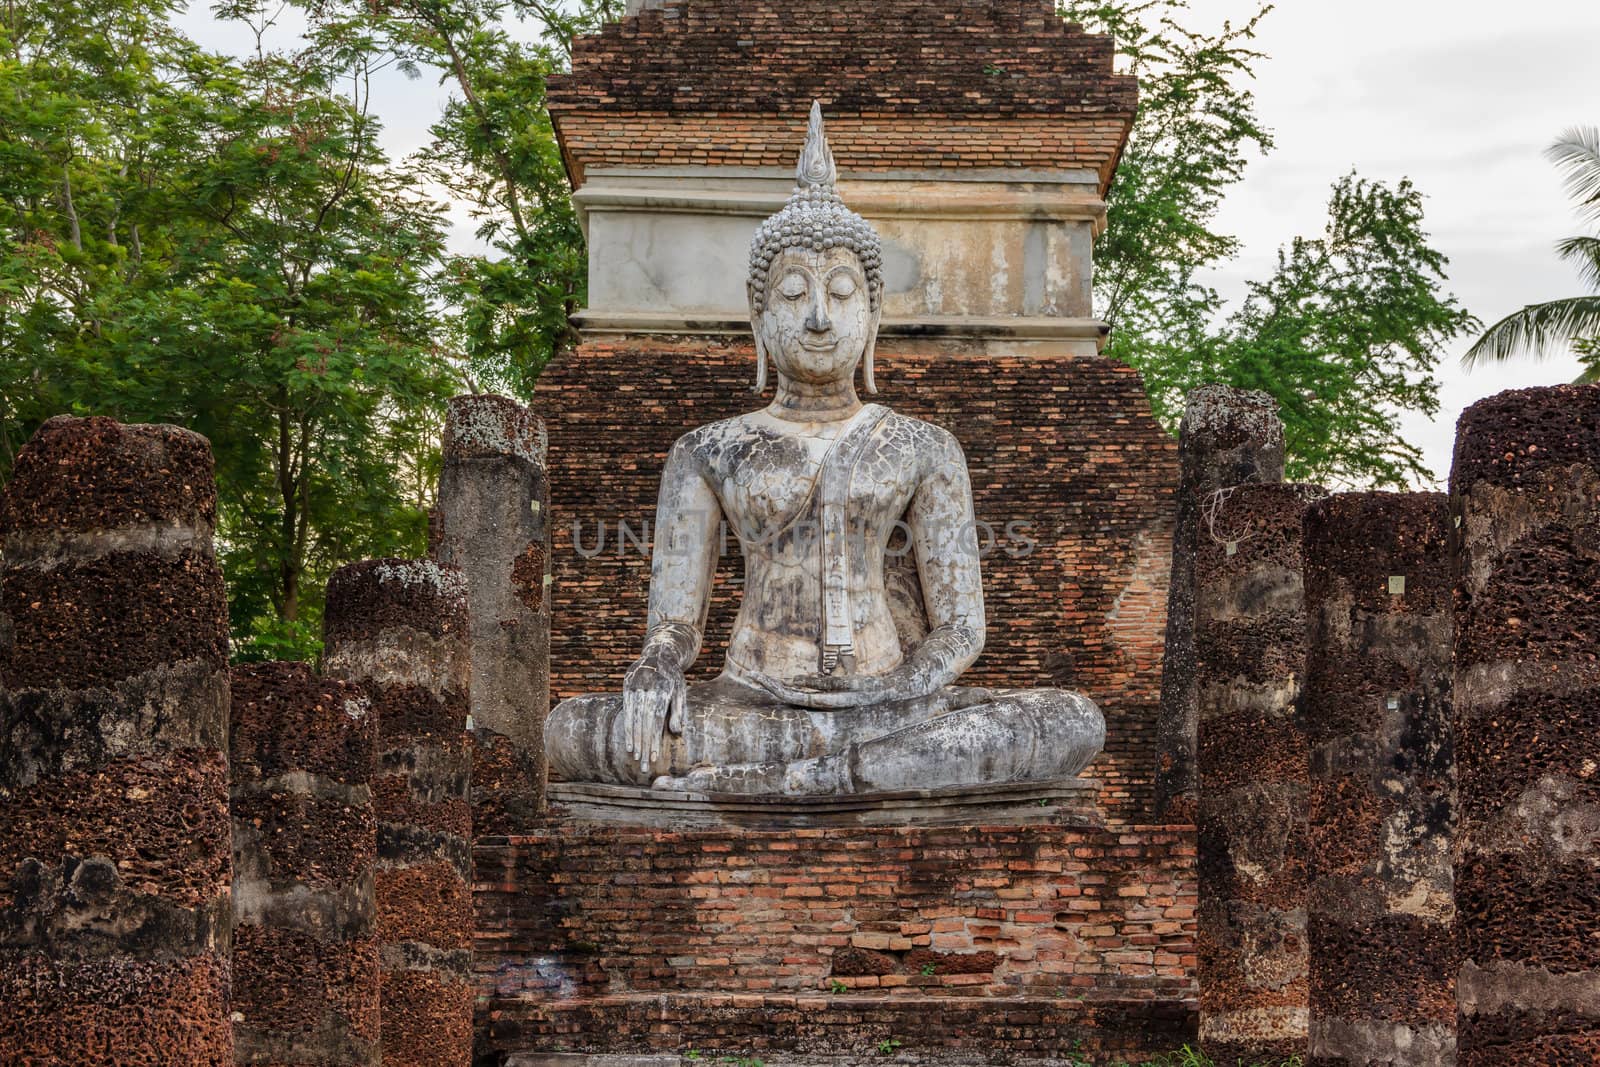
point(818, 316)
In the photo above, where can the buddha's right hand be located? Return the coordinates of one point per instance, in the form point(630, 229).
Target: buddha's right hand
point(654, 696)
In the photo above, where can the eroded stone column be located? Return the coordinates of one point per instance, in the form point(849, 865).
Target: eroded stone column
point(1228, 437)
point(114, 857)
point(1525, 493)
point(305, 958)
point(492, 521)
point(1250, 645)
point(399, 627)
point(1376, 712)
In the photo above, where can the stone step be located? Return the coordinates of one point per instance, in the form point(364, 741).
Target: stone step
point(710, 1059)
point(944, 1058)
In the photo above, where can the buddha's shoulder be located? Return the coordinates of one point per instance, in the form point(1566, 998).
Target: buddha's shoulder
point(919, 435)
point(737, 435)
point(719, 433)
point(717, 445)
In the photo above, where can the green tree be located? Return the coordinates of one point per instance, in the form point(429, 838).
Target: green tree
point(1195, 129)
point(1539, 329)
point(315, 278)
point(1347, 331)
point(221, 244)
point(89, 132)
point(495, 150)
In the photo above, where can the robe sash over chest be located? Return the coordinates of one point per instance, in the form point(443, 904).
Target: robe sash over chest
point(833, 497)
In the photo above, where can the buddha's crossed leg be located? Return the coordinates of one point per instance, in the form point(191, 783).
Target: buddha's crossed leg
point(737, 742)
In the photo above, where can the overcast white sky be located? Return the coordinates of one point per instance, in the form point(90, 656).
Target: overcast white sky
point(1462, 97)
point(1459, 95)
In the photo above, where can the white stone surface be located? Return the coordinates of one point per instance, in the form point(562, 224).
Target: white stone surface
point(671, 244)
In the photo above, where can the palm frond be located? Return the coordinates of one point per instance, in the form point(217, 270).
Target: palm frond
point(1577, 155)
point(1537, 329)
point(1585, 253)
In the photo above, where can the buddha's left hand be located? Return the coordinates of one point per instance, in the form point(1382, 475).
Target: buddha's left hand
point(937, 662)
point(906, 682)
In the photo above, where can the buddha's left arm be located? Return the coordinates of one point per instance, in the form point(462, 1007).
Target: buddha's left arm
point(944, 535)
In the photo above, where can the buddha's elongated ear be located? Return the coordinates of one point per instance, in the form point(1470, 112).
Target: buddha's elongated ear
point(761, 359)
point(867, 380)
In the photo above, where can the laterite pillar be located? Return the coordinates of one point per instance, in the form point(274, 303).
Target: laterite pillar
point(1250, 644)
point(114, 853)
point(493, 521)
point(1376, 711)
point(1228, 437)
point(1525, 497)
point(305, 955)
point(399, 627)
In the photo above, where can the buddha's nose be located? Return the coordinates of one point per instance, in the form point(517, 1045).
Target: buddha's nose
point(817, 320)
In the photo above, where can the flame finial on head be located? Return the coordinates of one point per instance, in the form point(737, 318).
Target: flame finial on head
point(815, 217)
point(816, 168)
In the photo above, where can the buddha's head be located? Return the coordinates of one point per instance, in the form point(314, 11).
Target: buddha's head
point(816, 278)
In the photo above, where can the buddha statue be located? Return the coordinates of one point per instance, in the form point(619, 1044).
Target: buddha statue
point(862, 600)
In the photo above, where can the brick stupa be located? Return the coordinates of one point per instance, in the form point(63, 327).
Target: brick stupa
point(980, 141)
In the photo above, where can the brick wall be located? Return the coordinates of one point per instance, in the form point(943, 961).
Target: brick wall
point(906, 84)
point(1065, 444)
point(1009, 939)
point(860, 143)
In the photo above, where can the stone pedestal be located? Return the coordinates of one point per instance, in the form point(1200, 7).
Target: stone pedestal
point(1065, 803)
point(1250, 644)
point(961, 943)
point(1376, 710)
point(493, 522)
point(1525, 495)
point(1228, 437)
point(399, 628)
point(305, 961)
point(114, 857)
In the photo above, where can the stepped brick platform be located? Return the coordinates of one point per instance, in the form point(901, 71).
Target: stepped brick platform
point(1010, 942)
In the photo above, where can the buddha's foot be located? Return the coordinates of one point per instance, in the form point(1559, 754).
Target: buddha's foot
point(824, 776)
point(698, 780)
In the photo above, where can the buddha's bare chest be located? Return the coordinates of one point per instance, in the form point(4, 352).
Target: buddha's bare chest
point(768, 483)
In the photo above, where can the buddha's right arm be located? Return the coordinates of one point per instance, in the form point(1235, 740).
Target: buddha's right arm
point(683, 561)
point(674, 645)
